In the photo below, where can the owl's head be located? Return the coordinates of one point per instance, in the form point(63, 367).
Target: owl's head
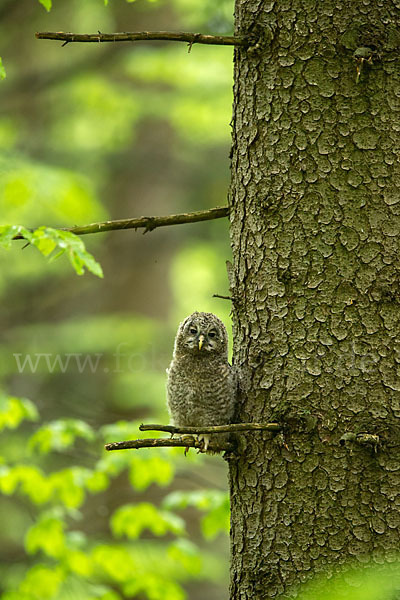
point(201, 334)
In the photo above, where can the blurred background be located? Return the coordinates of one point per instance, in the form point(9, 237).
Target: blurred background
point(90, 132)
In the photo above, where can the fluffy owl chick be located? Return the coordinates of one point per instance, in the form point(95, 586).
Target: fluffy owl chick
point(201, 387)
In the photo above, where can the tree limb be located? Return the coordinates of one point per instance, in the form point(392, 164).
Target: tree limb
point(134, 36)
point(164, 442)
point(213, 429)
point(148, 223)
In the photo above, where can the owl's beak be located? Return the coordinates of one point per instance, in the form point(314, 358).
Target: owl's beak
point(201, 341)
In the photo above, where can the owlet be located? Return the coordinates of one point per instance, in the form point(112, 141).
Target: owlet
point(201, 388)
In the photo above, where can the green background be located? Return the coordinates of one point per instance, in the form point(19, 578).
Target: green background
point(90, 132)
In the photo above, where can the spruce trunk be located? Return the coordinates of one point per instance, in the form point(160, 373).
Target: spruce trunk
point(315, 232)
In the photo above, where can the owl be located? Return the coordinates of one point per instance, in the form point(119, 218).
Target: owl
point(201, 386)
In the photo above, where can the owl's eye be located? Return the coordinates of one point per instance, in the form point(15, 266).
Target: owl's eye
point(212, 334)
point(193, 330)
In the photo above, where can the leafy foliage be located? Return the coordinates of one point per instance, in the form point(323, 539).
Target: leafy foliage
point(47, 240)
point(14, 410)
point(60, 435)
point(131, 520)
point(65, 555)
point(213, 502)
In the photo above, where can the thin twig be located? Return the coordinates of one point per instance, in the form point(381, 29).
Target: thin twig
point(134, 36)
point(163, 442)
point(222, 297)
point(213, 429)
point(148, 223)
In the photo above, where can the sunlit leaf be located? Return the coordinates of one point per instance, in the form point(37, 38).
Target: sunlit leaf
point(47, 4)
point(79, 562)
point(97, 481)
point(155, 469)
point(115, 561)
point(29, 480)
point(8, 232)
point(213, 502)
point(41, 582)
point(155, 587)
point(69, 485)
point(14, 410)
point(59, 435)
point(46, 239)
point(130, 520)
point(46, 535)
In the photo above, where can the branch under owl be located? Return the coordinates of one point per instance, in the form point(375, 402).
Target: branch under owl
point(232, 427)
point(187, 442)
point(135, 36)
point(191, 441)
point(147, 223)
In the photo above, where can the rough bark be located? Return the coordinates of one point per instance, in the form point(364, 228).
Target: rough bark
point(315, 231)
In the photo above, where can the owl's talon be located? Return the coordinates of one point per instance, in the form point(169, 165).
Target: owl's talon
point(205, 440)
point(188, 438)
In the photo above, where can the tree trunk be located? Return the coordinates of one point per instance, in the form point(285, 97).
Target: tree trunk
point(315, 231)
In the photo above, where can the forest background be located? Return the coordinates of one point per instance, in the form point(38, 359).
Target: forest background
point(90, 132)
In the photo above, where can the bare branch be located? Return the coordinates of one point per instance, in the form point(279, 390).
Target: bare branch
point(190, 441)
point(148, 223)
point(163, 443)
point(135, 36)
point(213, 429)
point(222, 297)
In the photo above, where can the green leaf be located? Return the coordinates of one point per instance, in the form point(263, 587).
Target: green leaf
point(14, 410)
point(155, 587)
point(144, 472)
point(59, 435)
point(29, 479)
point(7, 233)
point(114, 561)
point(41, 582)
point(2, 70)
point(79, 562)
point(97, 482)
point(213, 502)
point(47, 239)
point(201, 499)
point(69, 485)
point(130, 520)
point(46, 3)
point(46, 535)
